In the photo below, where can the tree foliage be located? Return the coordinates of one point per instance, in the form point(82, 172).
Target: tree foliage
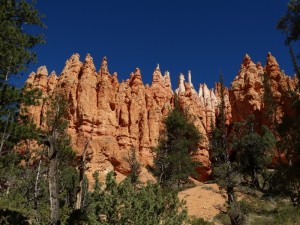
point(173, 163)
point(17, 17)
point(124, 204)
point(287, 180)
point(16, 43)
point(253, 150)
point(134, 165)
point(26, 176)
point(225, 170)
point(59, 156)
point(290, 22)
point(269, 104)
point(15, 126)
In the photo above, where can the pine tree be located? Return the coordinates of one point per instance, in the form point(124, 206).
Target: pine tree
point(290, 22)
point(16, 39)
point(173, 163)
point(125, 204)
point(253, 150)
point(224, 170)
point(27, 180)
point(134, 165)
point(16, 43)
point(269, 104)
point(288, 176)
point(15, 126)
point(287, 179)
point(290, 25)
point(59, 155)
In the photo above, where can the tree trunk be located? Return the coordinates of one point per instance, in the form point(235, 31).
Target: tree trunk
point(80, 190)
point(6, 133)
point(230, 195)
point(36, 189)
point(53, 190)
point(52, 177)
point(255, 180)
point(81, 176)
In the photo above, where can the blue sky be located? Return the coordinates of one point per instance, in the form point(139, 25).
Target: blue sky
point(202, 36)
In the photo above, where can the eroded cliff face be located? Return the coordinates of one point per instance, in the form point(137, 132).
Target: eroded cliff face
point(119, 116)
point(247, 90)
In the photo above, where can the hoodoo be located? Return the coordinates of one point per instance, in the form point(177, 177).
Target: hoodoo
point(121, 116)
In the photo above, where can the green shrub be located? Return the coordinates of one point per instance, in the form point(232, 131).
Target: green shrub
point(199, 221)
point(125, 203)
point(286, 214)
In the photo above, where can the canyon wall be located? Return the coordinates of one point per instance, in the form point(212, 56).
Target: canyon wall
point(118, 116)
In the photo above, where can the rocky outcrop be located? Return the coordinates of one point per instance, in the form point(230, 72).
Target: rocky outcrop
point(119, 116)
point(280, 86)
point(201, 107)
point(247, 90)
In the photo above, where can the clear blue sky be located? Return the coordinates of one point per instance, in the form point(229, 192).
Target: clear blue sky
point(202, 36)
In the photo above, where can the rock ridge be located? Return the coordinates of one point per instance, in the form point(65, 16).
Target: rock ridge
point(119, 116)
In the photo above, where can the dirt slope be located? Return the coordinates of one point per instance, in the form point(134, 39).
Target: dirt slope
point(202, 200)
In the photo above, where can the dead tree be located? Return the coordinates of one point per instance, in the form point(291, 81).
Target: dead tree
point(52, 154)
point(81, 176)
point(53, 137)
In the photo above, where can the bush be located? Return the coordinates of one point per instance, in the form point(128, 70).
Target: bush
point(199, 221)
point(125, 203)
point(286, 214)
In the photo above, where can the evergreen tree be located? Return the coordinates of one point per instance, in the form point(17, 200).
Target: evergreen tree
point(123, 203)
point(287, 179)
point(269, 104)
point(59, 156)
point(15, 126)
point(224, 170)
point(173, 163)
point(253, 150)
point(290, 22)
point(30, 182)
point(290, 25)
point(134, 165)
point(16, 39)
point(16, 43)
point(17, 185)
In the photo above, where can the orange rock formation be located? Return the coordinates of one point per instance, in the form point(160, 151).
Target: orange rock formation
point(119, 116)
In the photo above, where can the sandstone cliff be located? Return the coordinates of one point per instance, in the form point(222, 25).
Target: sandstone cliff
point(247, 89)
point(119, 116)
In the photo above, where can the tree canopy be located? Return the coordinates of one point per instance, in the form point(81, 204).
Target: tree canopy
point(290, 22)
point(17, 38)
point(173, 162)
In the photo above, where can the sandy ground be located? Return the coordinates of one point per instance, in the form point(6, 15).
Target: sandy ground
point(202, 200)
